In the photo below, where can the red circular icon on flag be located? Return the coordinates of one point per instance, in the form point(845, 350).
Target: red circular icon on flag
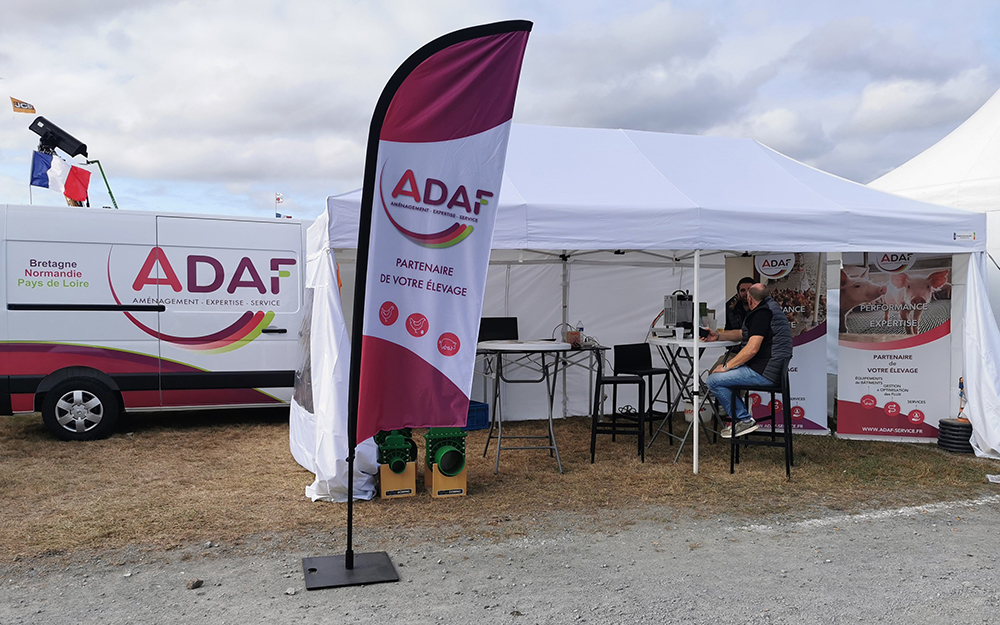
point(798, 412)
point(916, 417)
point(868, 401)
point(776, 406)
point(754, 400)
point(448, 344)
point(891, 409)
point(388, 313)
point(417, 325)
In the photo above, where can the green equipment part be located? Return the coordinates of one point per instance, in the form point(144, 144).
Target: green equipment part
point(396, 448)
point(445, 448)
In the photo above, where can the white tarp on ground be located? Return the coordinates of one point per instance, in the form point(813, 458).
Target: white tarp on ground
point(318, 416)
point(577, 191)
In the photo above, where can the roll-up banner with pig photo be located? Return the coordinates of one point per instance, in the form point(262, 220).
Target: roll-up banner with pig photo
point(797, 282)
point(895, 345)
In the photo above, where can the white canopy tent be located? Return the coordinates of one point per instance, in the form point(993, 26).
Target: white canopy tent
point(572, 196)
point(960, 171)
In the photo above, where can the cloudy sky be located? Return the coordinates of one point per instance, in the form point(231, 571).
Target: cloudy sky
point(213, 106)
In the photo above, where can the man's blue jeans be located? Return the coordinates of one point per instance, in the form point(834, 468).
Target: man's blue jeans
point(721, 384)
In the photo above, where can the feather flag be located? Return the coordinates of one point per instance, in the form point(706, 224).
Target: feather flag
point(51, 172)
point(439, 131)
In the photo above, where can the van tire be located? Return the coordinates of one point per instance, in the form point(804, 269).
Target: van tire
point(80, 409)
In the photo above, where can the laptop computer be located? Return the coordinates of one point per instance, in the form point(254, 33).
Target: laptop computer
point(498, 329)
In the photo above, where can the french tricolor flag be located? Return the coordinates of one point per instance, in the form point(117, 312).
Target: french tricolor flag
point(52, 172)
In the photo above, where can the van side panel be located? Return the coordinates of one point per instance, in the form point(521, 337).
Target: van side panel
point(234, 304)
point(5, 399)
point(61, 311)
point(177, 310)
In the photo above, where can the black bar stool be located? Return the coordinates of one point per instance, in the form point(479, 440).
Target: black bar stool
point(766, 439)
point(617, 422)
point(637, 359)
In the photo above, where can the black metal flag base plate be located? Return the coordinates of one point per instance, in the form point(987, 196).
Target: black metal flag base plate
point(330, 572)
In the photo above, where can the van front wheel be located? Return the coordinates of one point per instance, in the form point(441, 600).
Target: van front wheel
point(80, 409)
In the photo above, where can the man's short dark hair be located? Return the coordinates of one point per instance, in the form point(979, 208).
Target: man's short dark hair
point(758, 292)
point(744, 281)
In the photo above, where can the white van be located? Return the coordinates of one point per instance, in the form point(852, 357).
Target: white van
point(110, 310)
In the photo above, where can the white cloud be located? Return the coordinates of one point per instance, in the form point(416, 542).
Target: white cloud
point(784, 130)
point(180, 99)
point(649, 71)
point(917, 104)
point(856, 44)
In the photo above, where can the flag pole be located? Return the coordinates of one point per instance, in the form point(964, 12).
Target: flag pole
point(101, 167)
point(339, 571)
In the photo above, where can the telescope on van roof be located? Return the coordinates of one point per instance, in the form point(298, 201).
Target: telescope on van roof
point(53, 137)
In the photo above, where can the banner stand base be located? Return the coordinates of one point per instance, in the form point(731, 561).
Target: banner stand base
point(330, 572)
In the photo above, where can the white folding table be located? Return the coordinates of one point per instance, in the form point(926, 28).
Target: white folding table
point(541, 356)
point(676, 352)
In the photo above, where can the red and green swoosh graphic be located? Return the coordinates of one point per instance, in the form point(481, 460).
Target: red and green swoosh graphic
point(446, 238)
point(240, 333)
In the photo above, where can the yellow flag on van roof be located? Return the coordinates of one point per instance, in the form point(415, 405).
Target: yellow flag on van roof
point(20, 106)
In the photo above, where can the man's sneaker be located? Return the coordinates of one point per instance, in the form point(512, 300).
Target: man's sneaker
point(742, 427)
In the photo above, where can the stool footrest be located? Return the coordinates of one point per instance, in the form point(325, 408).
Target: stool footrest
point(743, 440)
point(621, 379)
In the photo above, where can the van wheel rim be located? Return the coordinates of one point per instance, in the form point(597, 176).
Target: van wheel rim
point(79, 411)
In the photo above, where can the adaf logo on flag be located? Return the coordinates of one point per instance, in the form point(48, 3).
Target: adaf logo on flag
point(431, 215)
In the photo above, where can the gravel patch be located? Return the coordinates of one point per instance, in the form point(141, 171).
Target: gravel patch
point(922, 564)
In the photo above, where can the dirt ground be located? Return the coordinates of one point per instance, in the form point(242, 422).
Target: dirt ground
point(114, 531)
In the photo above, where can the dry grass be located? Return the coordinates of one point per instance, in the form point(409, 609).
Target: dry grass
point(177, 478)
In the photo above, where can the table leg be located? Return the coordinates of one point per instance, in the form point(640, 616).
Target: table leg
point(496, 466)
point(550, 384)
point(495, 409)
point(671, 360)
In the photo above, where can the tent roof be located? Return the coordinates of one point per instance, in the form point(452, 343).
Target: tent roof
point(962, 170)
point(589, 188)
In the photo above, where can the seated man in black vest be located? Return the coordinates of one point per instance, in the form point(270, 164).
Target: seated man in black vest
point(765, 347)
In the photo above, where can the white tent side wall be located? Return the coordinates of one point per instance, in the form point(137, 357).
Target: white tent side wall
point(318, 414)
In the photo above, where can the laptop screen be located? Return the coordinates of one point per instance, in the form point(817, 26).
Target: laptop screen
point(498, 328)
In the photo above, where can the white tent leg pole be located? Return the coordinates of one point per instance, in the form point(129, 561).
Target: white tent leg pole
point(565, 323)
point(695, 377)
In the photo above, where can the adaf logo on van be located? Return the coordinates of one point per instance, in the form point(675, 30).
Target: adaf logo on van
point(435, 203)
point(241, 332)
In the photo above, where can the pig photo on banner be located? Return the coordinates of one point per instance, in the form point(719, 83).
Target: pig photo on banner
point(895, 345)
point(797, 282)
